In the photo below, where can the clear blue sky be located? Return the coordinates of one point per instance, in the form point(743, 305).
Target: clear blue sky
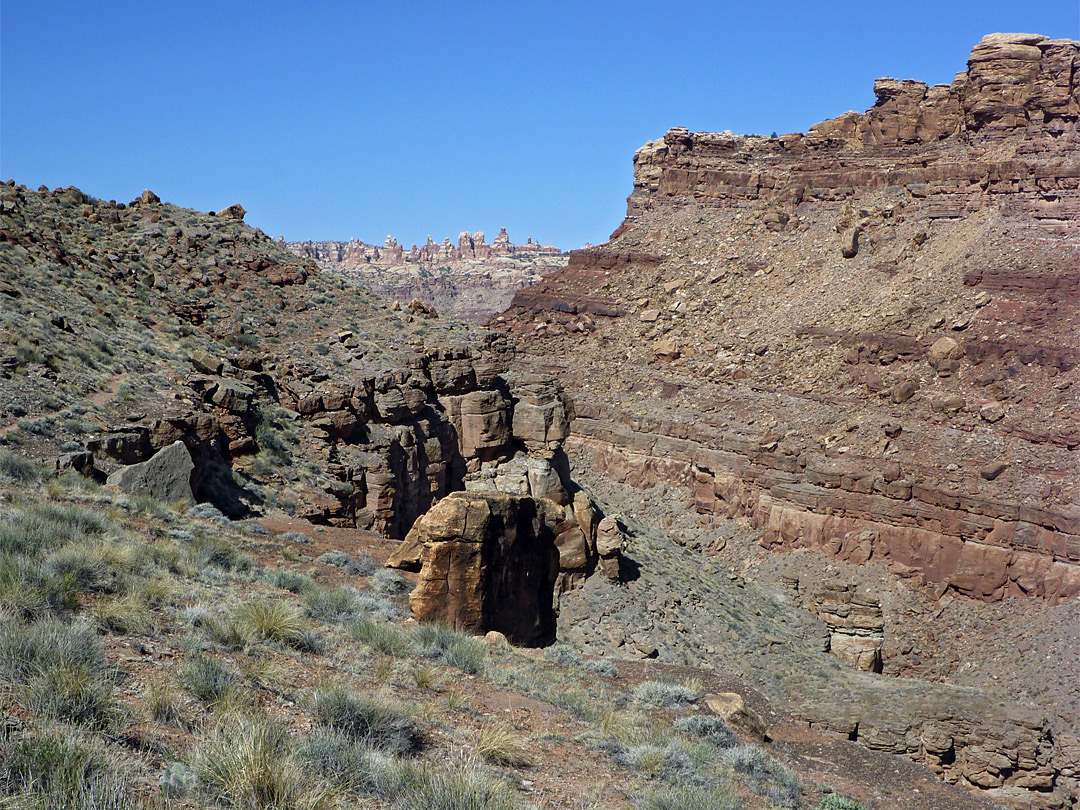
point(358, 119)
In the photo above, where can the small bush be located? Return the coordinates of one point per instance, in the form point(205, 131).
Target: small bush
point(163, 702)
point(563, 654)
point(295, 537)
point(651, 760)
point(338, 559)
point(714, 729)
point(451, 647)
point(837, 802)
point(78, 693)
point(128, 614)
point(333, 604)
point(457, 789)
point(352, 765)
point(367, 718)
point(207, 679)
point(29, 591)
point(767, 776)
point(605, 668)
point(688, 798)
point(27, 650)
point(291, 581)
point(17, 470)
point(665, 695)
point(385, 638)
point(56, 770)
point(388, 582)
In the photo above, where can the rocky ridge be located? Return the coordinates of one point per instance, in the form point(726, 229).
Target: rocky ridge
point(861, 340)
point(471, 280)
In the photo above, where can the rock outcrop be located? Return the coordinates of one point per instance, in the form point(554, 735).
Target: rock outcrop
point(472, 280)
point(858, 340)
point(488, 562)
point(165, 476)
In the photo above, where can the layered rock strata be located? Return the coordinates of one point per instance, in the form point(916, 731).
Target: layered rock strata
point(860, 340)
point(472, 279)
point(917, 396)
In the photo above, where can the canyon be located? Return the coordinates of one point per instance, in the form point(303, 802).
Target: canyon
point(803, 431)
point(860, 341)
point(472, 280)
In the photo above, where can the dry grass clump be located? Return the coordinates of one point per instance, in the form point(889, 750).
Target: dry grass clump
point(276, 622)
point(59, 768)
point(500, 744)
point(125, 614)
point(248, 763)
point(374, 720)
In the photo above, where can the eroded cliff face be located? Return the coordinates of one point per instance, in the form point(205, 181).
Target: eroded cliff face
point(863, 337)
point(472, 280)
point(861, 340)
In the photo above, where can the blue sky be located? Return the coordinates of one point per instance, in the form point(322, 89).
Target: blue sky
point(337, 120)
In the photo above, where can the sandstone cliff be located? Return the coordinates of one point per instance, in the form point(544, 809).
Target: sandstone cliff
point(860, 340)
point(471, 280)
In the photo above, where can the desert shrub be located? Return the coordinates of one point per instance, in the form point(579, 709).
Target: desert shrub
point(563, 654)
point(452, 647)
point(83, 563)
point(58, 770)
point(836, 802)
point(207, 679)
point(370, 719)
point(207, 511)
point(291, 581)
point(605, 668)
point(276, 622)
point(79, 693)
point(384, 637)
point(247, 762)
point(221, 630)
point(46, 526)
point(333, 604)
point(339, 559)
point(671, 761)
point(219, 553)
point(683, 797)
point(28, 649)
point(295, 537)
point(163, 702)
point(714, 729)
point(665, 695)
point(388, 582)
point(353, 765)
point(766, 775)
point(18, 470)
point(365, 565)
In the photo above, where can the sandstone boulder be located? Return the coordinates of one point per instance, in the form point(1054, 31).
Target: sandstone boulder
point(944, 348)
point(732, 708)
point(234, 211)
point(166, 476)
point(488, 561)
point(666, 350)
